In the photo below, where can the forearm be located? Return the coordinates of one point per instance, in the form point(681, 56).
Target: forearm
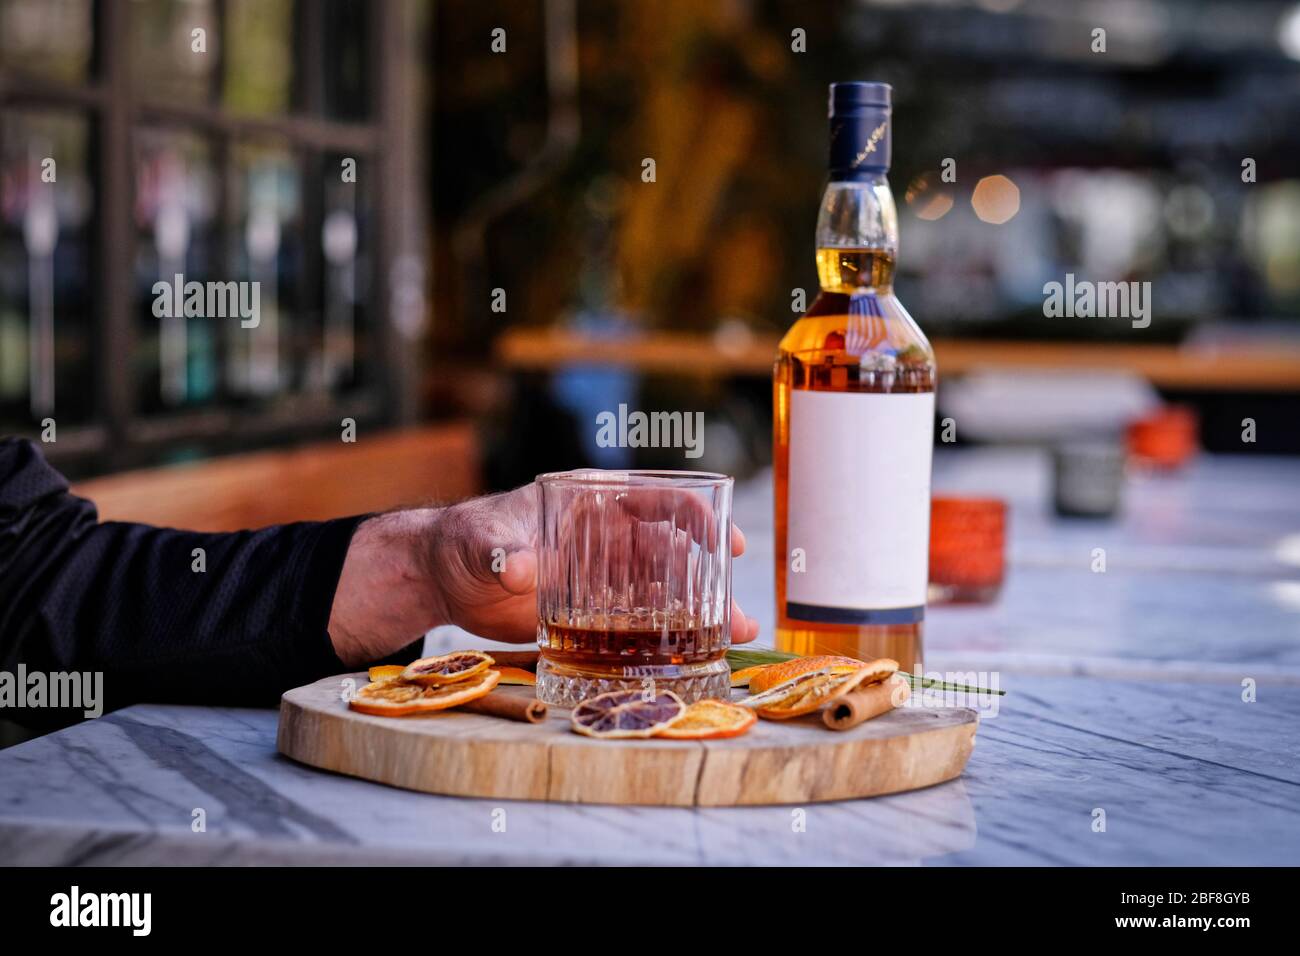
point(385, 598)
point(164, 615)
point(178, 616)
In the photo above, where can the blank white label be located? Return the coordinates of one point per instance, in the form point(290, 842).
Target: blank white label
point(859, 506)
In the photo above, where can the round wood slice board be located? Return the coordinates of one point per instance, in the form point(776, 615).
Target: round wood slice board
point(471, 755)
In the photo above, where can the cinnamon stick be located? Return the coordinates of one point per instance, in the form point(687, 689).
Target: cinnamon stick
point(523, 659)
point(861, 705)
point(530, 710)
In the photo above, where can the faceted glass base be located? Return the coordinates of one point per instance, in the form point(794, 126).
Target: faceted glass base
point(565, 685)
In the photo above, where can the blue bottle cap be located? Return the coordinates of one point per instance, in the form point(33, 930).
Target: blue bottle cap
point(847, 97)
point(860, 134)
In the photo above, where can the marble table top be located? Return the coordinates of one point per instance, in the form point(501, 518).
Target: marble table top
point(1124, 737)
point(1183, 773)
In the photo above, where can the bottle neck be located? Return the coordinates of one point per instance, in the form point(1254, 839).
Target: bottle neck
point(857, 236)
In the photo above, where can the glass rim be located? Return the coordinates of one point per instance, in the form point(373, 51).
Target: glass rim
point(634, 478)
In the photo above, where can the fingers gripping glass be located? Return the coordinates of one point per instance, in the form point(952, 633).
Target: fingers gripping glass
point(633, 583)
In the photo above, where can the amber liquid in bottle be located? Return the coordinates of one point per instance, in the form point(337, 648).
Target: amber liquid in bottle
point(856, 337)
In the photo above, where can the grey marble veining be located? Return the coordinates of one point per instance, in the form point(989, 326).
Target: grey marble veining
point(1185, 774)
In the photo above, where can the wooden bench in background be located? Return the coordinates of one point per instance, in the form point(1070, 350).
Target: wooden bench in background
point(437, 463)
point(1249, 367)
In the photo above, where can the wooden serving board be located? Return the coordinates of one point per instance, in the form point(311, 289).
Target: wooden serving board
point(470, 755)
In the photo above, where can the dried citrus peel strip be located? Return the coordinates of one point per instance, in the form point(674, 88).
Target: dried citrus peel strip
point(742, 677)
point(773, 674)
point(516, 675)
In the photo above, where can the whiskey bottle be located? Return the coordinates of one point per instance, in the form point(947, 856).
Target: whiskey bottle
point(853, 393)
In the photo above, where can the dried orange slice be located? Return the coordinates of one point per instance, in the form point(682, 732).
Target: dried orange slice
point(742, 677)
point(515, 675)
point(627, 713)
point(787, 688)
point(386, 671)
point(447, 669)
point(391, 698)
point(806, 693)
point(882, 668)
point(773, 674)
point(711, 720)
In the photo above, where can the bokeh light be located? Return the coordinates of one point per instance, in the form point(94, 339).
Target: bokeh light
point(927, 197)
point(1288, 32)
point(995, 199)
point(936, 207)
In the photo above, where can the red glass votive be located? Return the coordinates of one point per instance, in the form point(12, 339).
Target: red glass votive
point(1167, 438)
point(967, 549)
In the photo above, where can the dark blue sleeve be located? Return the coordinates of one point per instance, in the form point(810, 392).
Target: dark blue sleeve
point(79, 595)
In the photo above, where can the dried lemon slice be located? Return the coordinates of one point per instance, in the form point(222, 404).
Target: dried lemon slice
point(386, 671)
point(391, 698)
point(711, 720)
point(447, 669)
point(627, 713)
point(810, 692)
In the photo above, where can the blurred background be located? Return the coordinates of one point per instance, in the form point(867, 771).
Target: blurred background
point(496, 271)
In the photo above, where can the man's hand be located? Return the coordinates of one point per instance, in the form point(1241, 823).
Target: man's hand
point(472, 564)
point(482, 557)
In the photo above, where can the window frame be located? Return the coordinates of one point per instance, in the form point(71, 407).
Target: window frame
point(119, 436)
